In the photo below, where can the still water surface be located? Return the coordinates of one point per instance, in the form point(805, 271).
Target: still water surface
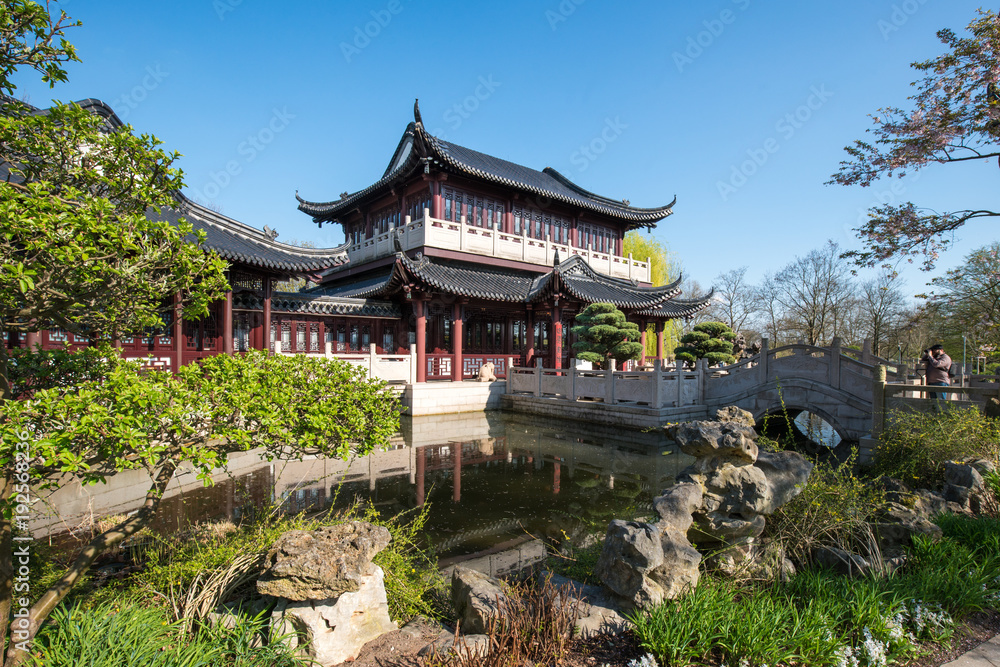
point(487, 477)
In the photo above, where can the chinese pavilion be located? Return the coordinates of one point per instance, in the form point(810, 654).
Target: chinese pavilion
point(488, 259)
point(467, 257)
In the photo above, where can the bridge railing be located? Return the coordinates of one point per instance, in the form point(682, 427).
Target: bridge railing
point(914, 396)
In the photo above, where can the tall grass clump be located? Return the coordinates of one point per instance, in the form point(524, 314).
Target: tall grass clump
point(133, 636)
point(834, 509)
point(915, 446)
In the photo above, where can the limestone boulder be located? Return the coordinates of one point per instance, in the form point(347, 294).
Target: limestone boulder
point(322, 564)
point(735, 414)
point(897, 526)
point(335, 630)
point(477, 598)
point(720, 441)
point(786, 473)
point(679, 572)
point(632, 550)
point(676, 506)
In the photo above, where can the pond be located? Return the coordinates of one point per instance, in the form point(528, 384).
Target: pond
point(488, 478)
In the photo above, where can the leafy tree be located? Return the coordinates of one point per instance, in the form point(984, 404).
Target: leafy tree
point(954, 117)
point(664, 268)
point(967, 299)
point(709, 340)
point(603, 333)
point(80, 253)
point(288, 406)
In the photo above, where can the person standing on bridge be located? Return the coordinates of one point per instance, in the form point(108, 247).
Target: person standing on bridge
point(937, 364)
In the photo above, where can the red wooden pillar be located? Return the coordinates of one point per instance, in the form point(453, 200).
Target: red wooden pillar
point(642, 340)
point(556, 477)
point(456, 485)
point(556, 342)
point(227, 324)
point(529, 347)
point(659, 340)
point(178, 333)
point(457, 374)
point(438, 201)
point(421, 474)
point(418, 311)
point(33, 339)
point(267, 315)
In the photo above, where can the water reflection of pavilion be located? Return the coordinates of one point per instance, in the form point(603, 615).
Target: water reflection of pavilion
point(487, 475)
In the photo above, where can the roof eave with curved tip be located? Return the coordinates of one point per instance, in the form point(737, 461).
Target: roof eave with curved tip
point(237, 242)
point(547, 183)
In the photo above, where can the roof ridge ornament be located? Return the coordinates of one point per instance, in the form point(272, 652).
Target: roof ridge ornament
point(555, 258)
point(416, 111)
point(271, 234)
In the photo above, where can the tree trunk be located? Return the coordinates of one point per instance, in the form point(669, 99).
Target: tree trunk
point(45, 604)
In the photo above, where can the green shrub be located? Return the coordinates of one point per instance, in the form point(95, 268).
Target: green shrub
point(915, 446)
point(833, 509)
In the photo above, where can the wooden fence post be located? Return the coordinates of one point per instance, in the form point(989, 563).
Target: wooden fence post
point(878, 401)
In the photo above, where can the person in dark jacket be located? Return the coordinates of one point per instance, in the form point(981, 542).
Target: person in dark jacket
point(937, 364)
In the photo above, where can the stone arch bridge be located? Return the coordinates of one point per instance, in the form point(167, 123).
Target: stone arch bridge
point(834, 383)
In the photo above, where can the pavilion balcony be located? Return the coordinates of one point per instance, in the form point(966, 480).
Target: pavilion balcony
point(459, 236)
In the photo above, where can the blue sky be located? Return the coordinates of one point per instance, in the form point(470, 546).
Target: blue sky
point(638, 100)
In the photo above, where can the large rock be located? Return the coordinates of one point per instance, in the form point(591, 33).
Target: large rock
point(644, 565)
point(334, 631)
point(897, 526)
point(786, 473)
point(676, 506)
point(321, 564)
point(734, 413)
point(477, 598)
point(631, 551)
point(717, 442)
point(732, 505)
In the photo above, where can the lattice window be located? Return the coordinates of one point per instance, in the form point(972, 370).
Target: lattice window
point(366, 338)
point(314, 336)
point(385, 219)
point(300, 336)
point(388, 340)
point(341, 338)
point(58, 336)
point(286, 336)
point(241, 332)
point(416, 203)
point(241, 280)
point(354, 338)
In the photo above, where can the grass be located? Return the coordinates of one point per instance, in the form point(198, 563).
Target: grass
point(819, 618)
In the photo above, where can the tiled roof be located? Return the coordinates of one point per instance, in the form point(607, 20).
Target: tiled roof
point(418, 146)
point(588, 285)
point(678, 308)
point(237, 242)
point(299, 302)
point(495, 284)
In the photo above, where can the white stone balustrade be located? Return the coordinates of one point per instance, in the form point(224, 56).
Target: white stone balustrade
point(462, 237)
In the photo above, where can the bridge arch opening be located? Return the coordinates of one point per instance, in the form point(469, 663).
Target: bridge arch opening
point(808, 427)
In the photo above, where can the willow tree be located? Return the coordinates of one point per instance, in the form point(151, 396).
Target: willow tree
point(664, 267)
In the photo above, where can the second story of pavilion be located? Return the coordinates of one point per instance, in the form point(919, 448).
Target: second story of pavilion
point(455, 203)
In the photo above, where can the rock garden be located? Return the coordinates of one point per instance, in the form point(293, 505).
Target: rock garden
point(756, 556)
